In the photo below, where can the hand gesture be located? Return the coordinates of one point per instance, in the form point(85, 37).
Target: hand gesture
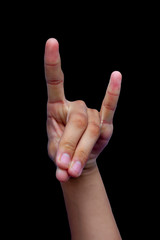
point(76, 134)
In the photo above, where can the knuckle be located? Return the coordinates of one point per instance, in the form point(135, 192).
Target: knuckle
point(94, 128)
point(68, 146)
point(54, 81)
point(95, 111)
point(109, 105)
point(107, 132)
point(81, 103)
point(80, 120)
point(95, 124)
point(82, 155)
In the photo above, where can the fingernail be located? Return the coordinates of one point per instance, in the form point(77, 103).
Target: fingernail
point(65, 159)
point(77, 168)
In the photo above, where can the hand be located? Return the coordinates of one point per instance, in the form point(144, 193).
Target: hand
point(76, 133)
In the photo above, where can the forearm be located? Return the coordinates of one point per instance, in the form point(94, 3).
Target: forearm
point(89, 212)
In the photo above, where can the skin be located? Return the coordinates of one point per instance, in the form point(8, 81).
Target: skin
point(76, 134)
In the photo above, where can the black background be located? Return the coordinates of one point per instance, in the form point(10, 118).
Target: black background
point(94, 41)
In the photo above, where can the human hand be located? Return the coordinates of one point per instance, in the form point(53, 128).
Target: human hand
point(76, 134)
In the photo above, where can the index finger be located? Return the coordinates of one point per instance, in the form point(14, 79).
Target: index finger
point(111, 98)
point(53, 72)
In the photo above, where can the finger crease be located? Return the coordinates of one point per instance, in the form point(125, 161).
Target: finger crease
point(94, 124)
point(54, 82)
point(106, 122)
point(51, 64)
point(108, 107)
point(57, 101)
point(112, 94)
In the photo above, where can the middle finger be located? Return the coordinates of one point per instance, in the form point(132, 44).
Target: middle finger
point(77, 121)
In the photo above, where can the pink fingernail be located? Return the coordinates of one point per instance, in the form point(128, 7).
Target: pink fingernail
point(77, 168)
point(65, 159)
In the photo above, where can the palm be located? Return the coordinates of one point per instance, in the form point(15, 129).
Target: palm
point(56, 123)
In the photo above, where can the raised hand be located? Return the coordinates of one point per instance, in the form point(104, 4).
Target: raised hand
point(76, 133)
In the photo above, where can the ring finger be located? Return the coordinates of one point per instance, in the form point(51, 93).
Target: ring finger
point(86, 143)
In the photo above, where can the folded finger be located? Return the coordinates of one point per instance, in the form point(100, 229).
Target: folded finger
point(62, 175)
point(76, 124)
point(86, 144)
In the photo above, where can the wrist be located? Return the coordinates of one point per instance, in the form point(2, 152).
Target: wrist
point(88, 172)
point(89, 168)
point(90, 164)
